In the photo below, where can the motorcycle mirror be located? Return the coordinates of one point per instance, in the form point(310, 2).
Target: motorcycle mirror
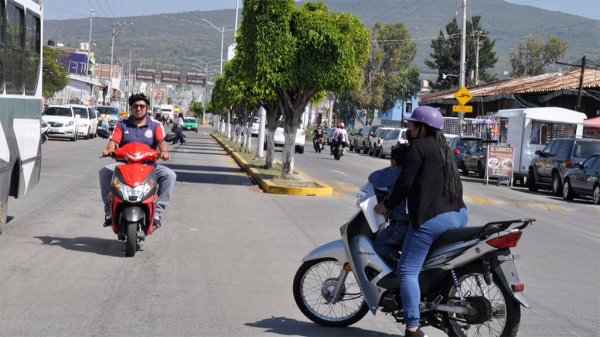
point(171, 137)
point(103, 133)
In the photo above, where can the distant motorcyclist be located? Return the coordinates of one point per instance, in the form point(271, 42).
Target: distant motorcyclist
point(339, 135)
point(139, 128)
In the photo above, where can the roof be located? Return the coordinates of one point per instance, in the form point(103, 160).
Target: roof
point(553, 83)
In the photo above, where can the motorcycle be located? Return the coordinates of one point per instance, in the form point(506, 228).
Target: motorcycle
point(469, 282)
point(318, 144)
point(338, 150)
point(134, 193)
point(44, 128)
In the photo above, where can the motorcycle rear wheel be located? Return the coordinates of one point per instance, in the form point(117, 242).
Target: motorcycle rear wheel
point(505, 311)
point(131, 241)
point(314, 281)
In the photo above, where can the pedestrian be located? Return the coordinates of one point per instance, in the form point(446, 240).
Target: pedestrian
point(431, 185)
point(178, 129)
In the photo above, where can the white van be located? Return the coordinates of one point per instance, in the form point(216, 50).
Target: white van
point(530, 129)
point(167, 110)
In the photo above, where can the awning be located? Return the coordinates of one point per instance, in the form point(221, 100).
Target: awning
point(592, 123)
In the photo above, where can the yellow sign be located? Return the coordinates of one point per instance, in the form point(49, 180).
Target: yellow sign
point(462, 108)
point(463, 96)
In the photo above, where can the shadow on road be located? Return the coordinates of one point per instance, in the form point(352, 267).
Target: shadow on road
point(291, 327)
point(86, 244)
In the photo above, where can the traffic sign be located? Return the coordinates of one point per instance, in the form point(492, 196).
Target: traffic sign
point(463, 96)
point(462, 108)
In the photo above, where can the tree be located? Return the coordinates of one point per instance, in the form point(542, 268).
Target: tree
point(389, 73)
point(446, 55)
point(196, 108)
point(300, 51)
point(55, 74)
point(532, 56)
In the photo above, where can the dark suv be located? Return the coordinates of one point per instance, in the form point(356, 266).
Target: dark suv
point(549, 166)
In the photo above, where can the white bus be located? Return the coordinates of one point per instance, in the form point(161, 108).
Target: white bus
point(20, 99)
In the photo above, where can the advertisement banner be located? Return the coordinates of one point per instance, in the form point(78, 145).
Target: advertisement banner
point(500, 160)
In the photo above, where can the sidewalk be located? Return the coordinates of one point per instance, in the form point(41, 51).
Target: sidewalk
point(300, 184)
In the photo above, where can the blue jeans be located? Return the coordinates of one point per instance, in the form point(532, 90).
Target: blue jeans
point(165, 178)
point(414, 251)
point(388, 243)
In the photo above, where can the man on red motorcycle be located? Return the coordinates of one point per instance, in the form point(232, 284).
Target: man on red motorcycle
point(139, 128)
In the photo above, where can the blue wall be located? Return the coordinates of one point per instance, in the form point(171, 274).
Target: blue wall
point(400, 108)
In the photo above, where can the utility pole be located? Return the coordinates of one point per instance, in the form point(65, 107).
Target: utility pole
point(477, 60)
point(112, 49)
point(463, 38)
point(87, 67)
point(578, 106)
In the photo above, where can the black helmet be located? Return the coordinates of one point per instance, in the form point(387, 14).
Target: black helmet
point(138, 97)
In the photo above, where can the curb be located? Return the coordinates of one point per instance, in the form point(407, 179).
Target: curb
point(269, 186)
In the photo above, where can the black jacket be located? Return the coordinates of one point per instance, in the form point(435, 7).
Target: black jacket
point(422, 183)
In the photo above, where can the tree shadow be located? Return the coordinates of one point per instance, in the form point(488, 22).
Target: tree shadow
point(291, 327)
point(98, 246)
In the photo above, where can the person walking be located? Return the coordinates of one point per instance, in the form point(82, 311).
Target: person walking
point(434, 193)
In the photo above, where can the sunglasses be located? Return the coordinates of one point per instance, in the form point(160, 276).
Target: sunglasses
point(141, 106)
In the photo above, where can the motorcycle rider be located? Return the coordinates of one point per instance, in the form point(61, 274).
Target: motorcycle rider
point(339, 135)
point(317, 134)
point(434, 194)
point(139, 128)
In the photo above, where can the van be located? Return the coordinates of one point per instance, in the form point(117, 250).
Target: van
point(167, 111)
point(528, 130)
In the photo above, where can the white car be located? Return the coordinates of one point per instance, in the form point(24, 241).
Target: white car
point(255, 126)
point(279, 139)
point(87, 123)
point(393, 139)
point(64, 123)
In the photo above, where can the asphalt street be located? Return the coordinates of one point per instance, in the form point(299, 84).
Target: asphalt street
point(224, 261)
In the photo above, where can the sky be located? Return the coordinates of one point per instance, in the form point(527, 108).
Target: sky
point(74, 9)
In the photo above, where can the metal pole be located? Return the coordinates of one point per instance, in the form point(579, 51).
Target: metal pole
point(477, 60)
point(578, 106)
point(463, 38)
point(87, 66)
point(112, 49)
point(237, 8)
point(222, 38)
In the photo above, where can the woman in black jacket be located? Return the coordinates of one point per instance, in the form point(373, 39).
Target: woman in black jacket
point(432, 187)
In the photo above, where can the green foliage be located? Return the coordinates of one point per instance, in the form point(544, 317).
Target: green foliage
point(446, 54)
point(196, 108)
point(55, 74)
point(532, 56)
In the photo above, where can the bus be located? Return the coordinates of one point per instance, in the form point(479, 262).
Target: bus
point(21, 100)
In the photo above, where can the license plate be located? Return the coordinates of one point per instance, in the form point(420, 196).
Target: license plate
point(54, 130)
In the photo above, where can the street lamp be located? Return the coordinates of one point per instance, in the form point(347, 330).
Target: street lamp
point(444, 76)
point(222, 31)
point(206, 78)
point(112, 49)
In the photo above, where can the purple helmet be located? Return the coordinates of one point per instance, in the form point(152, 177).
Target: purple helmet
point(429, 116)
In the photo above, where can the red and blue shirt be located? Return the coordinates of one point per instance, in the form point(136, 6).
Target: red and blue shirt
point(151, 133)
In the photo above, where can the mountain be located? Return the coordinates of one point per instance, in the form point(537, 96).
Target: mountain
point(167, 41)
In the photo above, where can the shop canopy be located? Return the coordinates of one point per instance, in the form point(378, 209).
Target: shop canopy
point(592, 123)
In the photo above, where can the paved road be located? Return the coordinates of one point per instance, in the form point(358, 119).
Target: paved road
point(224, 261)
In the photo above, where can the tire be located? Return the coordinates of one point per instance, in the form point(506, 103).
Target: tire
point(323, 274)
point(505, 311)
point(595, 197)
point(131, 240)
point(336, 154)
point(301, 149)
point(480, 171)
point(556, 184)
point(464, 170)
point(531, 181)
point(567, 190)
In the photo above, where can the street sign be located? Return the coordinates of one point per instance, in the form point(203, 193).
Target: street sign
point(463, 96)
point(462, 108)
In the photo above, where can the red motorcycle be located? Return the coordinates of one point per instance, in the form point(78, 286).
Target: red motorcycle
point(318, 143)
point(133, 194)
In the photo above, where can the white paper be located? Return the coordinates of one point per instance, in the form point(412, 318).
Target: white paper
point(368, 207)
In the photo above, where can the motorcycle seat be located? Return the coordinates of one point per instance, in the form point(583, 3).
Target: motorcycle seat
point(456, 235)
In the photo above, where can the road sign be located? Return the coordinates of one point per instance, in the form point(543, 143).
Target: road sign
point(463, 96)
point(462, 108)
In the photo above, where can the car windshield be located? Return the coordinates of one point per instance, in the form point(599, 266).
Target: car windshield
point(58, 111)
point(189, 120)
point(82, 112)
point(113, 112)
point(585, 149)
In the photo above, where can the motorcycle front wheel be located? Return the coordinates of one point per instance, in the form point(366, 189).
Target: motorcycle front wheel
point(131, 240)
point(498, 315)
point(314, 284)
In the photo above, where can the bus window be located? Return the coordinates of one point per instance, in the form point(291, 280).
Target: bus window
point(32, 53)
point(14, 49)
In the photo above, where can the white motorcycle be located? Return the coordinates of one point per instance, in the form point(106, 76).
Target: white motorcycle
point(469, 282)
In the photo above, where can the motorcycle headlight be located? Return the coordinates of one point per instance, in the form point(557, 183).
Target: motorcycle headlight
point(133, 194)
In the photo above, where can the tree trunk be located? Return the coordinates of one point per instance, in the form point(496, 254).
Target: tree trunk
point(270, 153)
point(287, 160)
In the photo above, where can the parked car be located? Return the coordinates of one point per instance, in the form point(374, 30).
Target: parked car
point(87, 123)
point(550, 165)
point(362, 141)
point(380, 135)
point(279, 139)
point(64, 123)
point(255, 126)
point(369, 142)
point(583, 180)
point(459, 146)
point(353, 136)
point(113, 115)
point(394, 138)
point(475, 158)
point(190, 123)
